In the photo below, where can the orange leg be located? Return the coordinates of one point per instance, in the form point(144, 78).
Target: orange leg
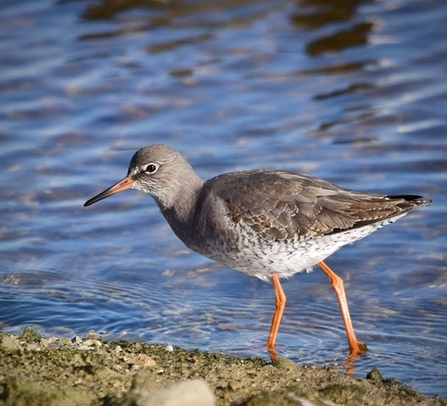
point(356, 347)
point(279, 310)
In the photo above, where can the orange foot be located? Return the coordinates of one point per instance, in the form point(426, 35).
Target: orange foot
point(273, 354)
point(359, 350)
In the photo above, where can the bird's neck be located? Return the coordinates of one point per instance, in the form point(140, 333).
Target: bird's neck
point(179, 209)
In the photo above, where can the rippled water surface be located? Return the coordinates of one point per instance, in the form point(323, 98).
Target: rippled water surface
point(353, 92)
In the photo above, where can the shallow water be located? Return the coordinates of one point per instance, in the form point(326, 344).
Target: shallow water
point(355, 94)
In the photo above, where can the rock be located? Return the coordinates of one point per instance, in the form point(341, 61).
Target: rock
point(91, 335)
point(375, 375)
point(10, 343)
point(65, 375)
point(92, 343)
point(30, 335)
point(284, 363)
point(185, 393)
point(65, 341)
point(289, 397)
point(45, 342)
point(143, 361)
point(76, 340)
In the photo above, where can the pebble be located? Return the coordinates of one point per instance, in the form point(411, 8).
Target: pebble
point(77, 340)
point(143, 361)
point(93, 343)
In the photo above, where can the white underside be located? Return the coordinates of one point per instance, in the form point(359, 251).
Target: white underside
point(286, 259)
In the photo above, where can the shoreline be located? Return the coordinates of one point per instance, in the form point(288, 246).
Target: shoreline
point(35, 370)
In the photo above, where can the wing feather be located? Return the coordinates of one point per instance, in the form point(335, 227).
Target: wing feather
point(282, 205)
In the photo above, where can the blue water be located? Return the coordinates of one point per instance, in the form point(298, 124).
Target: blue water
point(355, 94)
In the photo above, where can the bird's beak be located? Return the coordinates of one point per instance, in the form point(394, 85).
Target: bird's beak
point(121, 186)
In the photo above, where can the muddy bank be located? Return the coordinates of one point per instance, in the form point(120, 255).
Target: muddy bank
point(88, 371)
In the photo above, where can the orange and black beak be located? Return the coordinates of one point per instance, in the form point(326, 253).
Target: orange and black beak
point(121, 186)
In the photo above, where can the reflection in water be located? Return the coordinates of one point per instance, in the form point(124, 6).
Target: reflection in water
point(346, 29)
point(320, 15)
point(207, 14)
point(355, 36)
point(108, 9)
point(313, 14)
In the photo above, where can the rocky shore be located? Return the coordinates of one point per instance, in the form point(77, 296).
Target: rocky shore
point(89, 371)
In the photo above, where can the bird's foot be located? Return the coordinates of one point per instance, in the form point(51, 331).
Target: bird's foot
point(359, 349)
point(273, 354)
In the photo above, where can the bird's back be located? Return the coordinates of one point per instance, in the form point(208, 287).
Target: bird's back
point(281, 205)
point(254, 218)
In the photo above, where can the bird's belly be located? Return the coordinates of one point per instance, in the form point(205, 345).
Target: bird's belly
point(284, 260)
point(261, 258)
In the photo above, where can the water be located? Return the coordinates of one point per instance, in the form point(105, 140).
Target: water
point(354, 93)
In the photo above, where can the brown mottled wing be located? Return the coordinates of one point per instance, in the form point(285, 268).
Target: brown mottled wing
point(281, 205)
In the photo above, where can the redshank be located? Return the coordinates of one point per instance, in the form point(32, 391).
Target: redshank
point(265, 223)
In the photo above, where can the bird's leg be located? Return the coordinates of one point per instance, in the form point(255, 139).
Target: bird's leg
point(356, 347)
point(279, 310)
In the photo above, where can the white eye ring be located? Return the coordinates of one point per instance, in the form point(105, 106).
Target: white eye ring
point(151, 168)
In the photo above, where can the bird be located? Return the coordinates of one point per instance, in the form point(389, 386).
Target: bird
point(265, 223)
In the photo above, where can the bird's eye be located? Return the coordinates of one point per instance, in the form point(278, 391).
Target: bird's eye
point(151, 168)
